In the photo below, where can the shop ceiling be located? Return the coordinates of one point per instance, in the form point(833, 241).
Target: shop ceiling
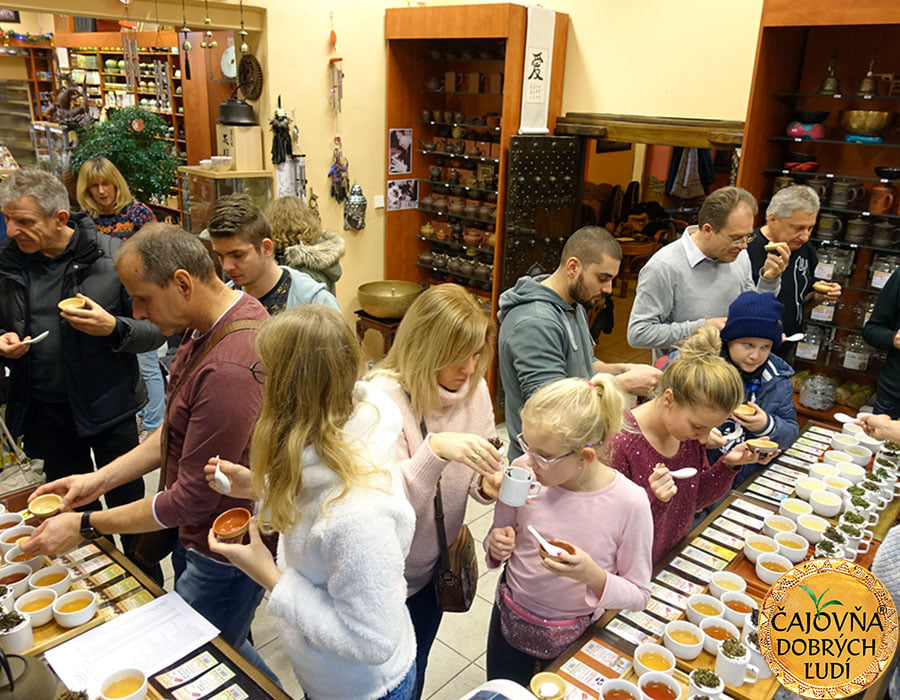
point(223, 15)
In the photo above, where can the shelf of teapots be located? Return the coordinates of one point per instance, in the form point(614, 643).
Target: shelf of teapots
point(478, 281)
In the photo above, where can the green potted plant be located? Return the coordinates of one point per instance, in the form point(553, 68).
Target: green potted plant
point(133, 140)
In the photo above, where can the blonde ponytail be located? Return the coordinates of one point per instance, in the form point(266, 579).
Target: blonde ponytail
point(700, 376)
point(578, 412)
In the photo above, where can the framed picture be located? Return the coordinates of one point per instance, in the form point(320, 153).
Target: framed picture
point(485, 171)
point(400, 155)
point(402, 194)
point(10, 16)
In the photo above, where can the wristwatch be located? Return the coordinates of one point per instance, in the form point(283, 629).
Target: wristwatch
point(87, 530)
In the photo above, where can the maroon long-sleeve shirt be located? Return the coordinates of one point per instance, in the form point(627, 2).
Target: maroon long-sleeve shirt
point(635, 457)
point(213, 414)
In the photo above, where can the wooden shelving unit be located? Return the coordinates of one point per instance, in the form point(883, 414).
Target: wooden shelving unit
point(429, 42)
point(796, 41)
point(193, 99)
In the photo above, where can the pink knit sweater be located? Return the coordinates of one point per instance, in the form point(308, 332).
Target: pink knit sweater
point(421, 468)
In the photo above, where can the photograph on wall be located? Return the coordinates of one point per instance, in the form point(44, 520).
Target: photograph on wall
point(11, 16)
point(402, 194)
point(400, 156)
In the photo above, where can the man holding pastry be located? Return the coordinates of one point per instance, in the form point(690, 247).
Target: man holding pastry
point(790, 219)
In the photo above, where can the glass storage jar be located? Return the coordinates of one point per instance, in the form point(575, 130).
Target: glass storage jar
point(824, 311)
point(882, 268)
point(817, 393)
point(827, 262)
point(858, 354)
point(843, 264)
point(810, 348)
point(864, 311)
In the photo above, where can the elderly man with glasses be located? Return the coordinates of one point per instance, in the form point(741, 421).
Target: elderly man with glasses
point(691, 281)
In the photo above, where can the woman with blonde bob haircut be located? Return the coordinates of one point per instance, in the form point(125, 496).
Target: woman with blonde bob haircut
point(695, 393)
point(320, 460)
point(103, 193)
point(434, 372)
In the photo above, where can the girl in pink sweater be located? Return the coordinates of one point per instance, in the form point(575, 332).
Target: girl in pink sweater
point(542, 605)
point(697, 392)
point(434, 373)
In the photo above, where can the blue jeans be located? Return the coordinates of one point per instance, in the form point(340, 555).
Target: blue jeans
point(222, 593)
point(426, 614)
point(152, 414)
point(885, 407)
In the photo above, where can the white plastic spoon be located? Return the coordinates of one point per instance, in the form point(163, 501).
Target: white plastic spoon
point(843, 418)
point(221, 480)
point(551, 549)
point(37, 339)
point(685, 473)
point(795, 338)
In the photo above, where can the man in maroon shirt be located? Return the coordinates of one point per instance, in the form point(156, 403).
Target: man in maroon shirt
point(213, 400)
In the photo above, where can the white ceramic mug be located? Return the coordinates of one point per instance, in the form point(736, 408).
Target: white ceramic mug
point(757, 661)
point(517, 485)
point(735, 672)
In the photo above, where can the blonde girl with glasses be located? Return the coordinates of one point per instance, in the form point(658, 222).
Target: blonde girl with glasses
point(321, 464)
point(434, 372)
point(697, 392)
point(543, 605)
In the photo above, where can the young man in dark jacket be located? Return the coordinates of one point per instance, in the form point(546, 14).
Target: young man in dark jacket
point(79, 388)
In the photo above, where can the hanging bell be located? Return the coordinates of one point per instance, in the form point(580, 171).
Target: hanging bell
point(186, 45)
point(207, 20)
point(245, 47)
point(214, 43)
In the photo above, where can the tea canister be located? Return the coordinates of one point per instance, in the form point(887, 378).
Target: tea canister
point(858, 354)
point(811, 346)
point(817, 393)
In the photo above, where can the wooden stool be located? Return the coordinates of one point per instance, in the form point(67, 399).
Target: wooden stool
point(386, 326)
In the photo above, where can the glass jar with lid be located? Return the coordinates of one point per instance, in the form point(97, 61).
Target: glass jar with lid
point(827, 261)
point(825, 311)
point(882, 268)
point(864, 311)
point(858, 354)
point(817, 393)
point(843, 264)
point(810, 348)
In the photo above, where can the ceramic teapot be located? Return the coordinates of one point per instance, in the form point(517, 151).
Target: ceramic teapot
point(426, 229)
point(435, 172)
point(885, 234)
point(427, 202)
point(472, 210)
point(457, 208)
point(473, 237)
point(426, 258)
point(458, 132)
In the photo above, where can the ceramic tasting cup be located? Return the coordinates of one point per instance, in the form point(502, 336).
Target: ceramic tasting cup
point(518, 486)
point(735, 672)
point(74, 608)
point(132, 677)
point(33, 599)
point(661, 656)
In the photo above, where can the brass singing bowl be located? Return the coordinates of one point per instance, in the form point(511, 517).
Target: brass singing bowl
point(865, 122)
point(388, 298)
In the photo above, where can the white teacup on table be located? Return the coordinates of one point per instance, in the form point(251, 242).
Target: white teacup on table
point(516, 487)
point(735, 671)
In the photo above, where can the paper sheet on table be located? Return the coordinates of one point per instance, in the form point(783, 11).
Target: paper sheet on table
point(150, 638)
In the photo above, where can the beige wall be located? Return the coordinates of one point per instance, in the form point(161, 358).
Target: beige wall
point(692, 58)
point(30, 23)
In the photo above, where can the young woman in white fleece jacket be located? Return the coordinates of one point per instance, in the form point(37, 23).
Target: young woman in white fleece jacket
point(338, 592)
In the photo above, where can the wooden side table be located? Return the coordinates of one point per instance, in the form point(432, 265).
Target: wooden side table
point(386, 326)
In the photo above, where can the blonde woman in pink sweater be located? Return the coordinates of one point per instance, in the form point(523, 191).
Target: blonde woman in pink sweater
point(434, 372)
point(542, 605)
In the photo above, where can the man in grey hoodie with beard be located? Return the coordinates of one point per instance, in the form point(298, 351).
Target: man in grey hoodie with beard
point(544, 333)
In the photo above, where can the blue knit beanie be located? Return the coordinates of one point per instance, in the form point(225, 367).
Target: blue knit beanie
point(754, 315)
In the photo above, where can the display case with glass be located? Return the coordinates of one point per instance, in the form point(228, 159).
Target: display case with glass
point(201, 188)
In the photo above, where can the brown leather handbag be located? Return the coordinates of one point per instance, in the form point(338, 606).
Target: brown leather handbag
point(456, 576)
point(150, 548)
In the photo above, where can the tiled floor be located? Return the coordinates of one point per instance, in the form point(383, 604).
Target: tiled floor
point(456, 664)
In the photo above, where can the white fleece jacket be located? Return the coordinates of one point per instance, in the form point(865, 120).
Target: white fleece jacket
point(340, 605)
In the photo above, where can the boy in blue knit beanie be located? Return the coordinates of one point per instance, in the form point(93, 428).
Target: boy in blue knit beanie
point(752, 330)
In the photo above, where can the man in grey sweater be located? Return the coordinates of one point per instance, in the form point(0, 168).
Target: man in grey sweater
point(691, 281)
point(544, 332)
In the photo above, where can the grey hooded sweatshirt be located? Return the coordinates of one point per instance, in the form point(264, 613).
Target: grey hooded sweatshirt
point(542, 338)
